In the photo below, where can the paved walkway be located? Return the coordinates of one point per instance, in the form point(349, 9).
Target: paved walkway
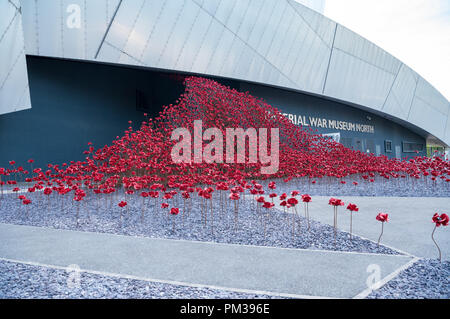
point(409, 227)
point(289, 272)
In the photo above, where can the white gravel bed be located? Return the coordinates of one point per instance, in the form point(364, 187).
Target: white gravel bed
point(24, 281)
point(425, 279)
point(104, 216)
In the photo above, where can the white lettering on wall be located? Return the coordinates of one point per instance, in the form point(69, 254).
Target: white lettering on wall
point(329, 123)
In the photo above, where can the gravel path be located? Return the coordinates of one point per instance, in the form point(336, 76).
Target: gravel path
point(427, 278)
point(25, 281)
point(101, 216)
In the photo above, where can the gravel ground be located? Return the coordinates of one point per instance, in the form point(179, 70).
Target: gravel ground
point(25, 281)
point(400, 187)
point(104, 216)
point(427, 278)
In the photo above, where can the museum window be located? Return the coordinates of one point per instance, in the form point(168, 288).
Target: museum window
point(411, 147)
point(388, 146)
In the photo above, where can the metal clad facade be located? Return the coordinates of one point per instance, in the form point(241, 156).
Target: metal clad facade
point(280, 43)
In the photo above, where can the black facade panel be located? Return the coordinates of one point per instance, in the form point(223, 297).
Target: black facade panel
point(312, 110)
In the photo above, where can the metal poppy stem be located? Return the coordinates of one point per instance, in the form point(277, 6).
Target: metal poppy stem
point(78, 210)
point(335, 224)
point(235, 215)
point(212, 216)
point(351, 217)
point(432, 237)
point(142, 210)
point(379, 238)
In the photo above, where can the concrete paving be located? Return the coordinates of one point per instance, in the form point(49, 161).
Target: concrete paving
point(409, 227)
point(276, 270)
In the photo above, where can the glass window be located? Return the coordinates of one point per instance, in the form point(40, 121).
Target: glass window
point(410, 147)
point(388, 146)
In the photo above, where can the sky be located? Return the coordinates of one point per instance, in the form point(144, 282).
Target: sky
point(417, 32)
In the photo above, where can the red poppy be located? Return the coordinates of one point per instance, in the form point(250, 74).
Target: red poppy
point(174, 211)
point(306, 198)
point(292, 201)
point(268, 205)
point(164, 205)
point(382, 217)
point(336, 202)
point(352, 207)
point(234, 196)
point(283, 196)
point(26, 202)
point(260, 199)
point(440, 219)
point(123, 204)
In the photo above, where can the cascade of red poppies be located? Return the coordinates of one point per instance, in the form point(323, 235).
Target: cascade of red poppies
point(142, 160)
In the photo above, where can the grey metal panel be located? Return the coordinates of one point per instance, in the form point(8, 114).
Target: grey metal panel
point(358, 47)
point(357, 81)
point(224, 10)
point(399, 100)
point(310, 69)
point(447, 129)
point(178, 38)
point(72, 38)
point(139, 36)
point(232, 58)
point(261, 19)
point(289, 40)
point(271, 28)
point(49, 23)
point(221, 52)
point(14, 90)
point(195, 47)
point(427, 117)
point(244, 63)
point(109, 53)
point(323, 28)
point(277, 42)
point(162, 31)
point(427, 93)
point(201, 44)
point(30, 27)
point(317, 5)
point(237, 16)
point(210, 6)
point(123, 24)
point(250, 18)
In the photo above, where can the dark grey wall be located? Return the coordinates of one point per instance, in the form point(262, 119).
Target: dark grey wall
point(302, 104)
point(75, 102)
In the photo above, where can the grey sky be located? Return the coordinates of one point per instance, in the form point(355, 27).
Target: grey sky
point(415, 31)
